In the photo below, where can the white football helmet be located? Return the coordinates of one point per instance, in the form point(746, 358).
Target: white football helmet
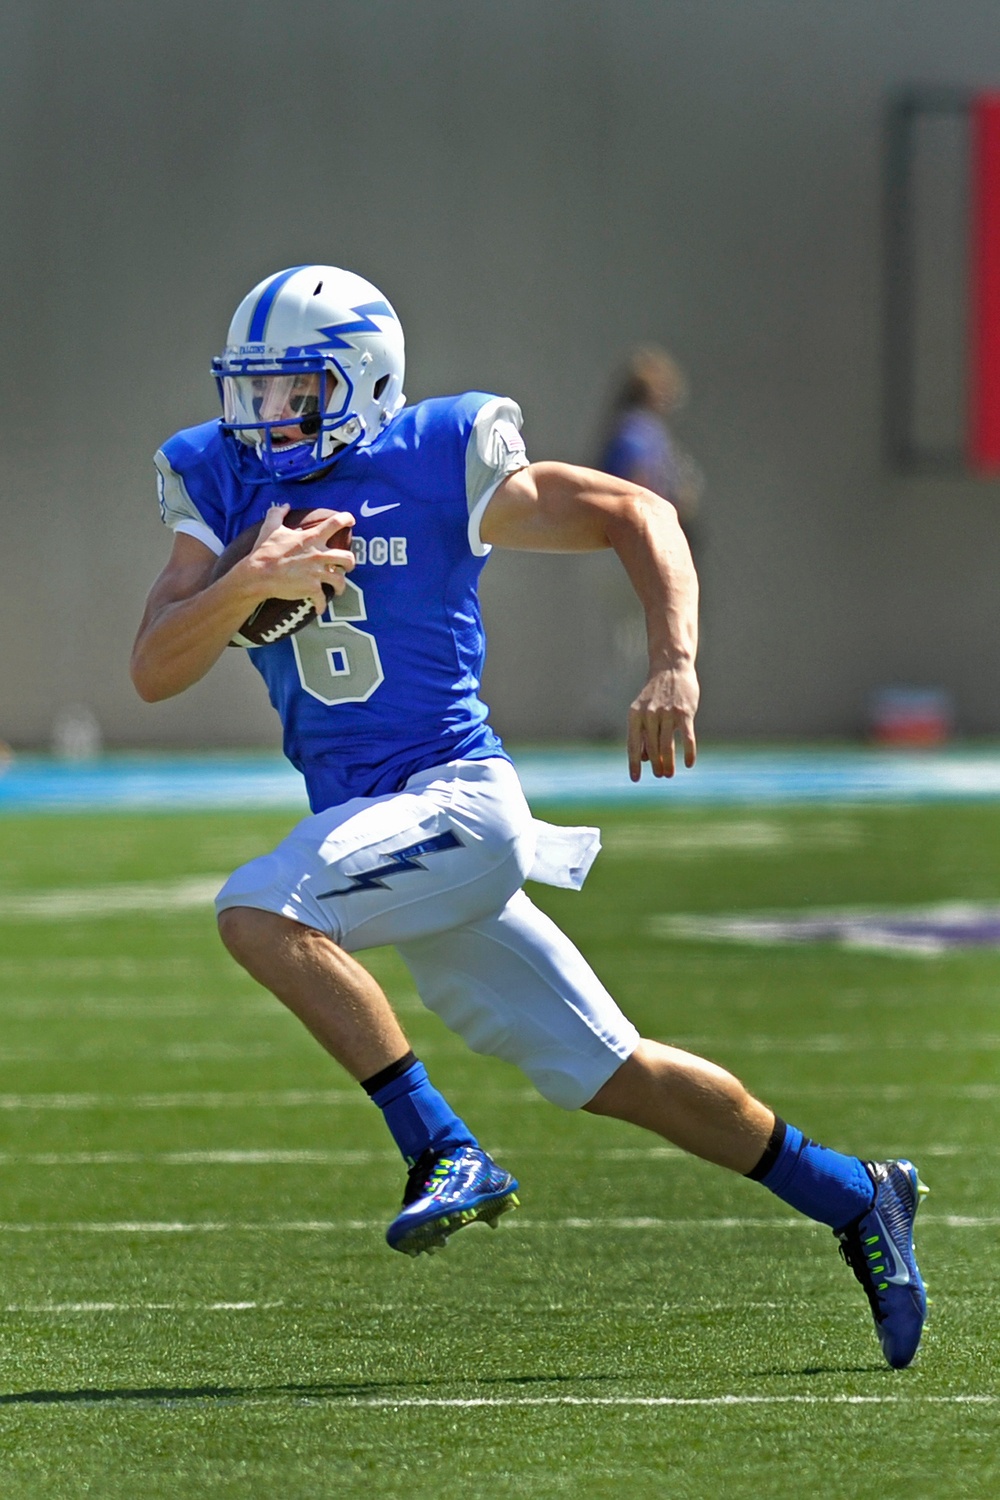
point(313, 366)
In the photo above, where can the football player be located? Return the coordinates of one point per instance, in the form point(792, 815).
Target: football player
point(419, 834)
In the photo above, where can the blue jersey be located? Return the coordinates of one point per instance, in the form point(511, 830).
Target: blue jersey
point(386, 683)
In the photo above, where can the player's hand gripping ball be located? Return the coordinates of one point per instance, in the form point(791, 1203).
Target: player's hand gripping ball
point(273, 619)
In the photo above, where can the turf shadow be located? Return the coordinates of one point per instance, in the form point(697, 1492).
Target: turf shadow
point(313, 1390)
point(872, 1369)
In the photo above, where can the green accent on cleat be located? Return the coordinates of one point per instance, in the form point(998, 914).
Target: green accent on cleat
point(447, 1193)
point(430, 1238)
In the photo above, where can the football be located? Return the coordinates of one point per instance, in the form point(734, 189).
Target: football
point(273, 619)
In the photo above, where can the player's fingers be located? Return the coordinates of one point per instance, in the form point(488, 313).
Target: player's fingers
point(340, 559)
point(649, 733)
point(690, 743)
point(635, 745)
point(315, 519)
point(272, 520)
point(335, 565)
point(665, 745)
point(330, 524)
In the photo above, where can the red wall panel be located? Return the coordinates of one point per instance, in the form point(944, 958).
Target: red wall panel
point(984, 344)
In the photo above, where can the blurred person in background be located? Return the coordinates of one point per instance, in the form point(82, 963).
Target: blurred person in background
point(639, 445)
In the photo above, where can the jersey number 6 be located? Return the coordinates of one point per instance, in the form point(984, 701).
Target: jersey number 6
point(337, 662)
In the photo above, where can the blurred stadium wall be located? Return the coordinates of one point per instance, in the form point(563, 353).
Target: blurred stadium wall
point(536, 185)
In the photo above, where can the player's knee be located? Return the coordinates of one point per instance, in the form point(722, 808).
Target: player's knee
point(256, 937)
point(239, 928)
point(616, 1096)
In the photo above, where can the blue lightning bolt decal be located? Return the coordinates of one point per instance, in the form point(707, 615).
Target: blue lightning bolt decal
point(362, 324)
point(396, 864)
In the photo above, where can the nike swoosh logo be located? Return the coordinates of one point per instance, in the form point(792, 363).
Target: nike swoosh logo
point(367, 509)
point(899, 1276)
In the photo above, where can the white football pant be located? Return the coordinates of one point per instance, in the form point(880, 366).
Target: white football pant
point(436, 870)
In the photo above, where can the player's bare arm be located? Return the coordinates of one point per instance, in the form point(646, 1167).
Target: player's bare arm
point(190, 619)
point(553, 507)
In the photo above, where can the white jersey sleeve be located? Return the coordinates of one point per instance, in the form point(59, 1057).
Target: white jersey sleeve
point(178, 510)
point(495, 449)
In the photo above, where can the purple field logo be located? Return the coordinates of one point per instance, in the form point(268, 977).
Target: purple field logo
point(922, 931)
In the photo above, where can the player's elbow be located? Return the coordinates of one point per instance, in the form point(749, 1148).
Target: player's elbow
point(641, 511)
point(149, 691)
point(148, 682)
point(648, 504)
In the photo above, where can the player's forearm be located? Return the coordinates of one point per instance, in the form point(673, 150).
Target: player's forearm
point(181, 639)
point(646, 534)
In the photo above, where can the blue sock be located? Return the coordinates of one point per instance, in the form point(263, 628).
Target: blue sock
point(419, 1118)
point(821, 1183)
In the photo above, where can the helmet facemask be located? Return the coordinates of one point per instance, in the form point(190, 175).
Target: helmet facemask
point(294, 412)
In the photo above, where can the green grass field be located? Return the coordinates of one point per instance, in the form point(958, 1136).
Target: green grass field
point(195, 1295)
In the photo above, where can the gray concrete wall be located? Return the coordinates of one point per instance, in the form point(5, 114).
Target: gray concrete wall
point(536, 185)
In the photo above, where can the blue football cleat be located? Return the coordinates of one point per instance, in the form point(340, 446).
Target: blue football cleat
point(878, 1247)
point(444, 1193)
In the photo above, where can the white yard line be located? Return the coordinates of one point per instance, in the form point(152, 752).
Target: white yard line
point(294, 1157)
point(45, 1309)
point(110, 900)
point(310, 1156)
point(390, 1403)
point(890, 1093)
point(340, 1226)
point(294, 1098)
point(213, 1099)
point(827, 1042)
point(220, 1050)
point(358, 1157)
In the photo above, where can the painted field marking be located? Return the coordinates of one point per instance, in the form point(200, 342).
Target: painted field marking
point(703, 838)
point(296, 1098)
point(100, 1008)
point(44, 1309)
point(219, 1050)
point(110, 900)
point(390, 1403)
point(359, 1157)
point(339, 1226)
point(127, 1048)
point(892, 1093)
point(278, 1156)
point(118, 966)
point(211, 1099)
point(911, 931)
point(41, 1309)
point(270, 1157)
point(236, 1099)
point(836, 1042)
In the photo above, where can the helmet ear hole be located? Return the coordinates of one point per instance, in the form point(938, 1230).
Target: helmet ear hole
point(380, 386)
point(319, 288)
